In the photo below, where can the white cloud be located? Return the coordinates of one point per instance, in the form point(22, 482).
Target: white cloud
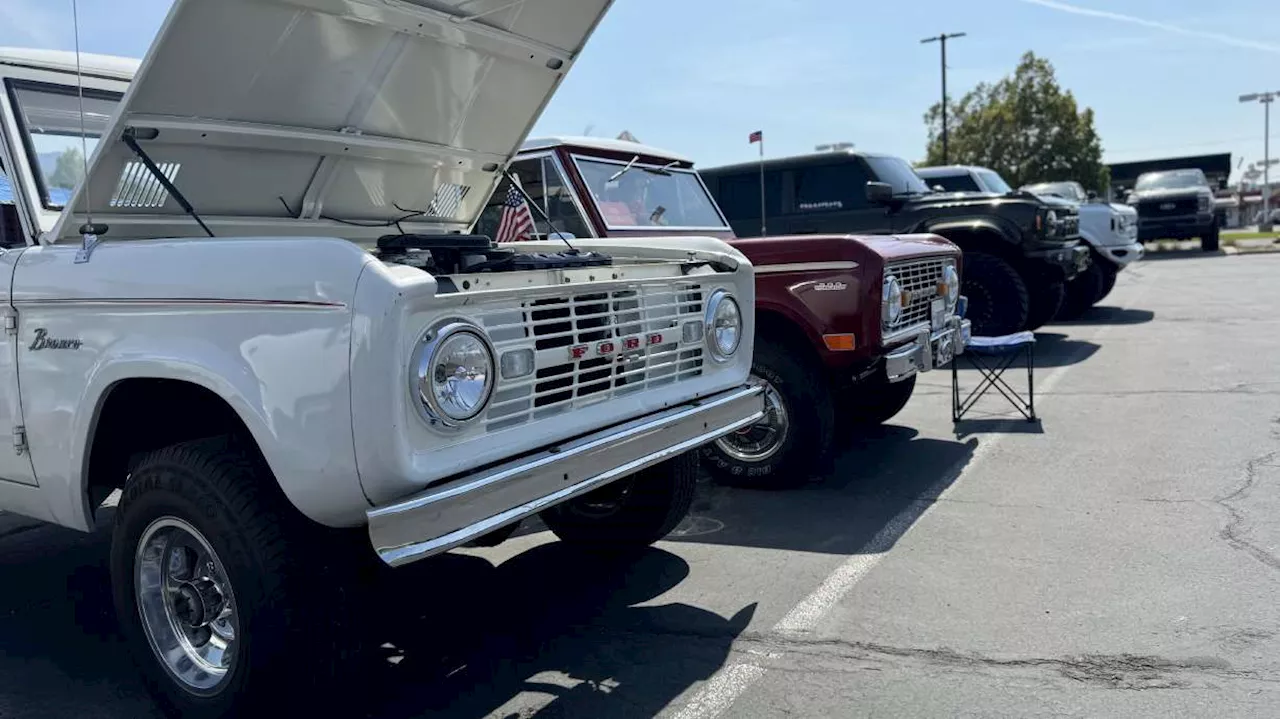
point(35, 21)
point(1157, 25)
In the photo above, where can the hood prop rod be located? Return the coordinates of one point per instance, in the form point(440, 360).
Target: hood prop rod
point(130, 138)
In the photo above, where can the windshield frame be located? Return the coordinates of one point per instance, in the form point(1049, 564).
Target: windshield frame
point(12, 86)
point(1201, 180)
point(578, 158)
point(871, 163)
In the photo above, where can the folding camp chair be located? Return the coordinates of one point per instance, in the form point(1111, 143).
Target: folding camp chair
point(991, 356)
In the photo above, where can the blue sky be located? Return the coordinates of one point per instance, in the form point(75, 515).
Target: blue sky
point(697, 76)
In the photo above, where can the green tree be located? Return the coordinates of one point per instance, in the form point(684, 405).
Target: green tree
point(69, 169)
point(1025, 127)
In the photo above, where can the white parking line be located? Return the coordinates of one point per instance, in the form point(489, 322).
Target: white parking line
point(726, 685)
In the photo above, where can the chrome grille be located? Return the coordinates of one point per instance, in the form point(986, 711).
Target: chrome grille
point(919, 280)
point(1069, 226)
point(556, 325)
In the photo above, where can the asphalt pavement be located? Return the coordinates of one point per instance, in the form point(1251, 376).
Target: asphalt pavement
point(1120, 559)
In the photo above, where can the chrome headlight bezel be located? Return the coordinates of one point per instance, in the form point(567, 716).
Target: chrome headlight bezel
point(422, 377)
point(890, 301)
point(722, 300)
point(951, 278)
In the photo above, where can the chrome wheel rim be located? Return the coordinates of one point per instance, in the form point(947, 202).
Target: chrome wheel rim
point(186, 605)
point(763, 439)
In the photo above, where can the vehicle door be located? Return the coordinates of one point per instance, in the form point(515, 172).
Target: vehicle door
point(15, 461)
point(833, 198)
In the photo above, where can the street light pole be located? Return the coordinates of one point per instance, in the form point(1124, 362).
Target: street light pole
point(1266, 98)
point(942, 40)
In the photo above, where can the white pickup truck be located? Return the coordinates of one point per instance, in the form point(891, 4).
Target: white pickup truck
point(255, 310)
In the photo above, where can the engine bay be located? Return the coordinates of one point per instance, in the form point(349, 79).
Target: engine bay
point(452, 254)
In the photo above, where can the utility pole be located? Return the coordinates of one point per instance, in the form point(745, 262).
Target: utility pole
point(942, 39)
point(1266, 98)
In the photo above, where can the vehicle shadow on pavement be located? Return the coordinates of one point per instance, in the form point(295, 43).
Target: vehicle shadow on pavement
point(1110, 316)
point(875, 476)
point(464, 637)
point(60, 653)
point(1052, 350)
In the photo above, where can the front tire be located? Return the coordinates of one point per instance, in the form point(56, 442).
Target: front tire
point(998, 300)
point(1209, 242)
point(1084, 291)
point(1108, 281)
point(786, 447)
point(629, 514)
point(1046, 301)
point(216, 591)
point(876, 400)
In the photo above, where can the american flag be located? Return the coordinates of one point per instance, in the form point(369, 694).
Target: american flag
point(517, 221)
point(757, 136)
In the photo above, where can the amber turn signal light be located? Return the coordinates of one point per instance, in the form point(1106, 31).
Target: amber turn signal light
point(840, 343)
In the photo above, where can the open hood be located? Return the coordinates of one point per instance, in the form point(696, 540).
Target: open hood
point(273, 116)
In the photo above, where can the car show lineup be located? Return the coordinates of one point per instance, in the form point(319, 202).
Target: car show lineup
point(300, 355)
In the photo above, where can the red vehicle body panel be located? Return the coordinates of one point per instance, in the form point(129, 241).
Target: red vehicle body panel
point(794, 294)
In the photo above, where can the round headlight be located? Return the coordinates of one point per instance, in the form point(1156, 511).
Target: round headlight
point(454, 373)
point(1050, 221)
point(724, 325)
point(951, 279)
point(890, 300)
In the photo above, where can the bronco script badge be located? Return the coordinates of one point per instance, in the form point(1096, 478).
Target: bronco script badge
point(44, 342)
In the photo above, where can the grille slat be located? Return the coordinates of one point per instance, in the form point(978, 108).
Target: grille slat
point(919, 280)
point(554, 325)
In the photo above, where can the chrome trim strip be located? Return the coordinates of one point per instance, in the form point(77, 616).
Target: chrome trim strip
point(450, 515)
point(804, 267)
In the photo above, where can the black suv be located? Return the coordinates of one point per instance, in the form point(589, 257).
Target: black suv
point(1019, 250)
point(1175, 205)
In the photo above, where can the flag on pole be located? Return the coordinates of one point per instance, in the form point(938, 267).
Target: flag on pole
point(517, 222)
point(757, 136)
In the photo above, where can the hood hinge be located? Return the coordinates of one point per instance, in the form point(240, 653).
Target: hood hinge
point(10, 320)
point(19, 439)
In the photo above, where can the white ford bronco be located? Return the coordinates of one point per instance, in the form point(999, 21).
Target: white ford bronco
point(255, 310)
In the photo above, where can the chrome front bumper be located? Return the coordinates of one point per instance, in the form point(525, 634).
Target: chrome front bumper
point(456, 512)
point(928, 350)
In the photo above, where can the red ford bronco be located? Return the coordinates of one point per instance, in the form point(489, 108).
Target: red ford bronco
point(843, 323)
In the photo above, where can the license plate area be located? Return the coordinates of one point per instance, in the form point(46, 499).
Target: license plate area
point(944, 348)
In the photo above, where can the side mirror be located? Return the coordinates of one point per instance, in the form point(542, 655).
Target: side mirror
point(879, 193)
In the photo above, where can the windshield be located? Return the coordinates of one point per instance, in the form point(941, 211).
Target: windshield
point(896, 172)
point(49, 116)
point(1066, 190)
point(994, 182)
point(1172, 180)
point(643, 198)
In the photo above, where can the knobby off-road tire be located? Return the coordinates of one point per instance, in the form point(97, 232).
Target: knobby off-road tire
point(1046, 301)
point(1084, 290)
point(998, 300)
point(629, 514)
point(283, 578)
point(793, 440)
point(876, 400)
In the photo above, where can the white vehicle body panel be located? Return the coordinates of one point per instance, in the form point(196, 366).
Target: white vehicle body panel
point(264, 323)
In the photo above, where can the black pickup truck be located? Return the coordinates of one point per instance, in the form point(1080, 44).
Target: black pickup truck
point(1175, 205)
point(1019, 250)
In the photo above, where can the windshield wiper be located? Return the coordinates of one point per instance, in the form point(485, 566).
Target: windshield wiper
point(665, 170)
point(624, 170)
